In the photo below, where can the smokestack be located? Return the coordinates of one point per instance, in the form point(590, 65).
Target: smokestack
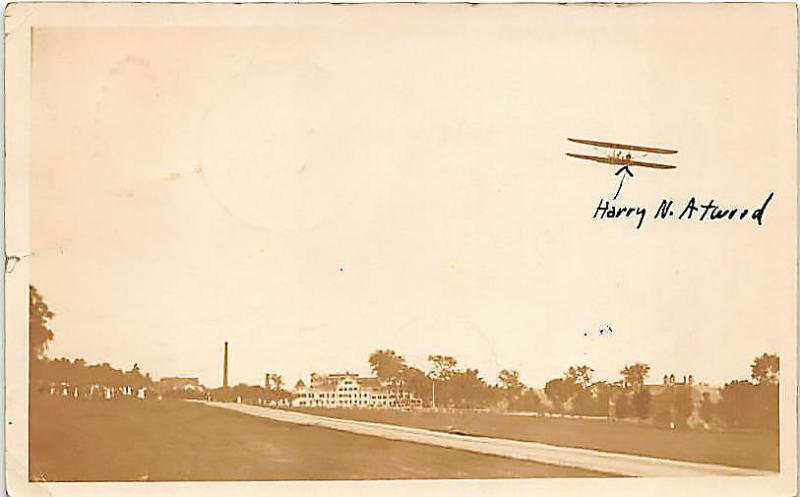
point(225, 367)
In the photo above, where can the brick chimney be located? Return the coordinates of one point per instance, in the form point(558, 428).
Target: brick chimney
point(225, 367)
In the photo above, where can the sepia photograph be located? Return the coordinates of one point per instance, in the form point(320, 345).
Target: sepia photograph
point(376, 249)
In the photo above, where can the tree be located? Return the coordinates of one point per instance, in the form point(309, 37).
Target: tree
point(633, 376)
point(443, 366)
point(275, 382)
point(466, 389)
point(603, 392)
point(641, 404)
point(622, 405)
point(580, 375)
point(512, 387)
point(594, 400)
point(387, 365)
point(417, 383)
point(528, 401)
point(39, 315)
point(707, 409)
point(560, 390)
point(766, 369)
point(583, 402)
point(745, 405)
point(684, 404)
point(509, 379)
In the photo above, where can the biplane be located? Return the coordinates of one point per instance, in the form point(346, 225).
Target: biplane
point(618, 154)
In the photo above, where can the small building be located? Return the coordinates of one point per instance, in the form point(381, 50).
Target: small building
point(179, 384)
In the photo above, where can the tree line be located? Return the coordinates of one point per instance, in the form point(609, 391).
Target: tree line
point(448, 385)
point(45, 372)
point(743, 403)
point(751, 403)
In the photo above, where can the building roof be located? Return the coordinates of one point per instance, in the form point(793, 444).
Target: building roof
point(190, 379)
point(369, 382)
point(346, 374)
point(327, 387)
point(328, 382)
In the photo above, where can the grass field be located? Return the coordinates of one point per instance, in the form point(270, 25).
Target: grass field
point(747, 449)
point(76, 440)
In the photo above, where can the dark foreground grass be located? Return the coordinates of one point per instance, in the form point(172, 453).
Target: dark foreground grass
point(747, 449)
point(77, 440)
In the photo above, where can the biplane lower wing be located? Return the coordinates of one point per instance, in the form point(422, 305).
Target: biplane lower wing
point(617, 161)
point(622, 146)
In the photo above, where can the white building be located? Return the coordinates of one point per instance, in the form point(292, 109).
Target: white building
point(350, 390)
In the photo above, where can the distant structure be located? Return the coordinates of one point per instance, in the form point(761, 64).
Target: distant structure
point(670, 380)
point(225, 368)
point(179, 384)
point(664, 394)
point(351, 390)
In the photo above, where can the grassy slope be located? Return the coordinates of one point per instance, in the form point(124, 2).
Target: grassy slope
point(172, 440)
point(744, 449)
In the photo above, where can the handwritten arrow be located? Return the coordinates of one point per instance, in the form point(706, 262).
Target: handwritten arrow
point(628, 172)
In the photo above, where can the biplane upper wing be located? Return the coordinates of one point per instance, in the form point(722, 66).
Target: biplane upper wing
point(616, 161)
point(622, 146)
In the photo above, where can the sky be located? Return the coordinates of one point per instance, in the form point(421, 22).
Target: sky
point(316, 187)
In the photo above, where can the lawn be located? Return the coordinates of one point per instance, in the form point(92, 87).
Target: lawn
point(125, 440)
point(749, 449)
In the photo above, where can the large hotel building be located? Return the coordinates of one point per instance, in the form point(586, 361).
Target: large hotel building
point(350, 390)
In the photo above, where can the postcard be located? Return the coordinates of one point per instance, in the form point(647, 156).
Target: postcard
point(377, 249)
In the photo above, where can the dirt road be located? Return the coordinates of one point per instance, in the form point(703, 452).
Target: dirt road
point(595, 460)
